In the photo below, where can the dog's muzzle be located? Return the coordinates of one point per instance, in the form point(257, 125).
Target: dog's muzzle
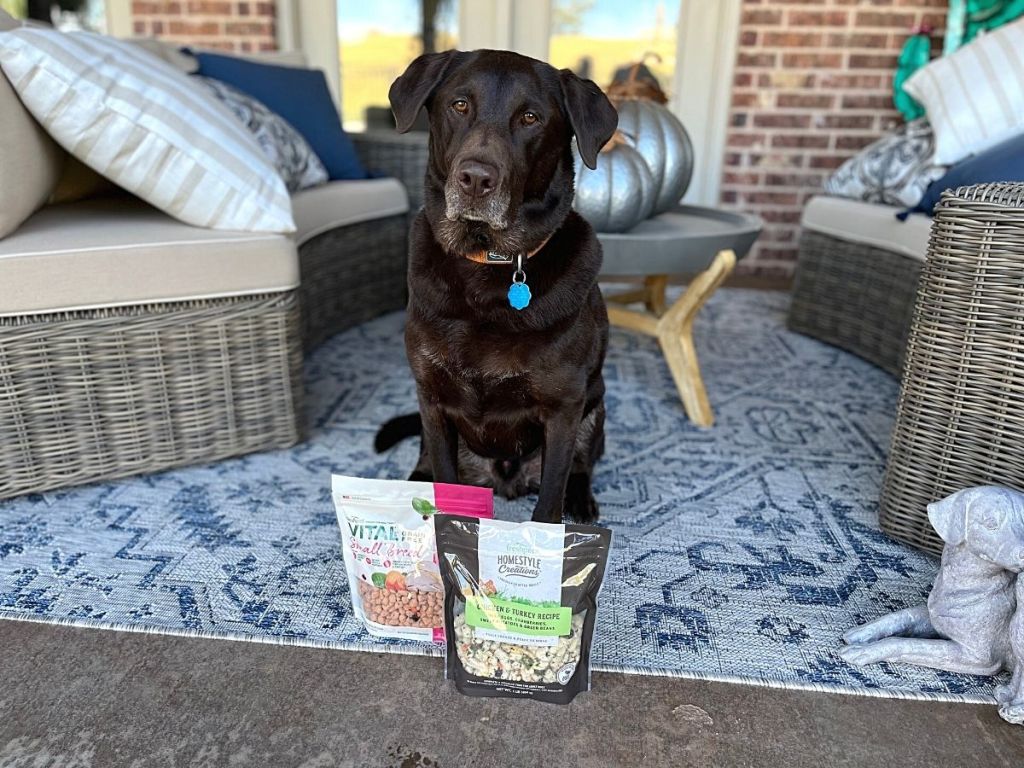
point(475, 192)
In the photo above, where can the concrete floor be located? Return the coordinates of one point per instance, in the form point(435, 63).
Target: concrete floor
point(80, 697)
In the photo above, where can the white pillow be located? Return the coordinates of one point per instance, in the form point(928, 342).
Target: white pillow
point(145, 126)
point(975, 96)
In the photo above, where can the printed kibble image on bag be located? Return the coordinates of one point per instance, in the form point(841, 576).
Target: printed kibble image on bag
point(520, 605)
point(387, 532)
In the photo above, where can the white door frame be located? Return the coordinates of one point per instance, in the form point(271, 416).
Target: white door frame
point(708, 37)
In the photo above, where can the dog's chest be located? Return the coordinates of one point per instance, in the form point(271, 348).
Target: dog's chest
point(479, 376)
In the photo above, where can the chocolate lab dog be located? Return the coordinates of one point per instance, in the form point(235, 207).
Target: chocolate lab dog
point(507, 329)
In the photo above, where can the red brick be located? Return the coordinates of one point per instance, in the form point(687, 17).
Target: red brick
point(770, 198)
point(801, 141)
point(194, 28)
point(776, 160)
point(860, 122)
point(854, 142)
point(755, 59)
point(858, 40)
point(872, 61)
point(849, 82)
point(792, 39)
point(805, 100)
point(782, 120)
point(247, 28)
point(884, 19)
point(761, 16)
point(812, 60)
point(210, 7)
point(741, 178)
point(867, 101)
point(818, 18)
point(793, 180)
point(742, 99)
point(748, 38)
point(746, 140)
point(827, 161)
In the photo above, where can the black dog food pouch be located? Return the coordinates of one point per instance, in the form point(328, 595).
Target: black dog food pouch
point(520, 605)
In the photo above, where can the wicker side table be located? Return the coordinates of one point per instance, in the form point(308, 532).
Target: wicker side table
point(960, 416)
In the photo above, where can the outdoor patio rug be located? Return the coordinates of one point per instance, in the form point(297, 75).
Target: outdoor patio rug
point(741, 552)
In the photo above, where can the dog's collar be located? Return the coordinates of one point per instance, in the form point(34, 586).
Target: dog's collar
point(490, 257)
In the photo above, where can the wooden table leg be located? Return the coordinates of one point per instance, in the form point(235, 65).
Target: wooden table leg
point(674, 331)
point(654, 298)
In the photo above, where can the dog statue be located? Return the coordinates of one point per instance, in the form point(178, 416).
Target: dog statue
point(974, 619)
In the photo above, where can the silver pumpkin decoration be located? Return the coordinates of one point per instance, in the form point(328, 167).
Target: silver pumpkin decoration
point(619, 193)
point(657, 134)
point(663, 143)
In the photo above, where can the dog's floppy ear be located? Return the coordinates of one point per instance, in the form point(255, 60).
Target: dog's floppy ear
point(592, 116)
point(411, 90)
point(949, 517)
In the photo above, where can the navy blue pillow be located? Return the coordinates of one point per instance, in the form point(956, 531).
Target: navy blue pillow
point(1003, 162)
point(300, 96)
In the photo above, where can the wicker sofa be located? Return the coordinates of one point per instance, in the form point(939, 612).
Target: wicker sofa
point(857, 277)
point(130, 342)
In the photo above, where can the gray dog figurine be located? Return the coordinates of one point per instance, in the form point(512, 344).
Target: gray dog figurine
point(971, 622)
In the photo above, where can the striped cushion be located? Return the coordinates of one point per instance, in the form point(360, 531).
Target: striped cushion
point(144, 125)
point(974, 97)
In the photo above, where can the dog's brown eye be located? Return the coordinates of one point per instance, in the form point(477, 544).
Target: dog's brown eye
point(461, 106)
point(529, 118)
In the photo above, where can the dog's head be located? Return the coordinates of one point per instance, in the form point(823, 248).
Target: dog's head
point(988, 521)
point(501, 127)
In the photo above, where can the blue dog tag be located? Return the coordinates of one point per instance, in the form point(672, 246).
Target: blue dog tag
point(519, 295)
point(519, 291)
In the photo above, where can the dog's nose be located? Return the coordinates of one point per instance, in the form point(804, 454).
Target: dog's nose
point(477, 179)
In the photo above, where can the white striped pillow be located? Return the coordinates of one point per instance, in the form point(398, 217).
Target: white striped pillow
point(974, 97)
point(145, 126)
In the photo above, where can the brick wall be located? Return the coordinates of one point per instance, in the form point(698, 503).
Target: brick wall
point(813, 85)
point(231, 25)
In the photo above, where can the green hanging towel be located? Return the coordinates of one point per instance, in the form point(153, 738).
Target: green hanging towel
point(915, 54)
point(969, 18)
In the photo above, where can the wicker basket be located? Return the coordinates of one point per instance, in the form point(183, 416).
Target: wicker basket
point(961, 409)
point(93, 395)
point(855, 296)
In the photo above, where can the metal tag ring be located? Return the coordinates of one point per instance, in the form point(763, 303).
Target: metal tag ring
point(519, 276)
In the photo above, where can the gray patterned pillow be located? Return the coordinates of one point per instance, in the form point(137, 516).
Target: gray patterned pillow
point(895, 170)
point(291, 154)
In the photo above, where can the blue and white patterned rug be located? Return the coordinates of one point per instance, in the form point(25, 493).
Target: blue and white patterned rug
point(741, 553)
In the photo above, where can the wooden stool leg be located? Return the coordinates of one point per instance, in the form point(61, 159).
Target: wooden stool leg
point(654, 293)
point(675, 334)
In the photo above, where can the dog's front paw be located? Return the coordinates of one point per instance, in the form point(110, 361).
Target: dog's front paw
point(1005, 694)
point(1012, 713)
point(859, 654)
point(580, 504)
point(859, 635)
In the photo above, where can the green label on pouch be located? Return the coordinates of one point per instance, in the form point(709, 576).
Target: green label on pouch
point(521, 618)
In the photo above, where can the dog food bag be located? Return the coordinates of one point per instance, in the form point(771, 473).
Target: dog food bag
point(387, 533)
point(520, 605)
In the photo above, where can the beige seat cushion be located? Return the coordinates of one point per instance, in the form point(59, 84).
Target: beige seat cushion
point(339, 203)
point(27, 154)
point(100, 253)
point(870, 224)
